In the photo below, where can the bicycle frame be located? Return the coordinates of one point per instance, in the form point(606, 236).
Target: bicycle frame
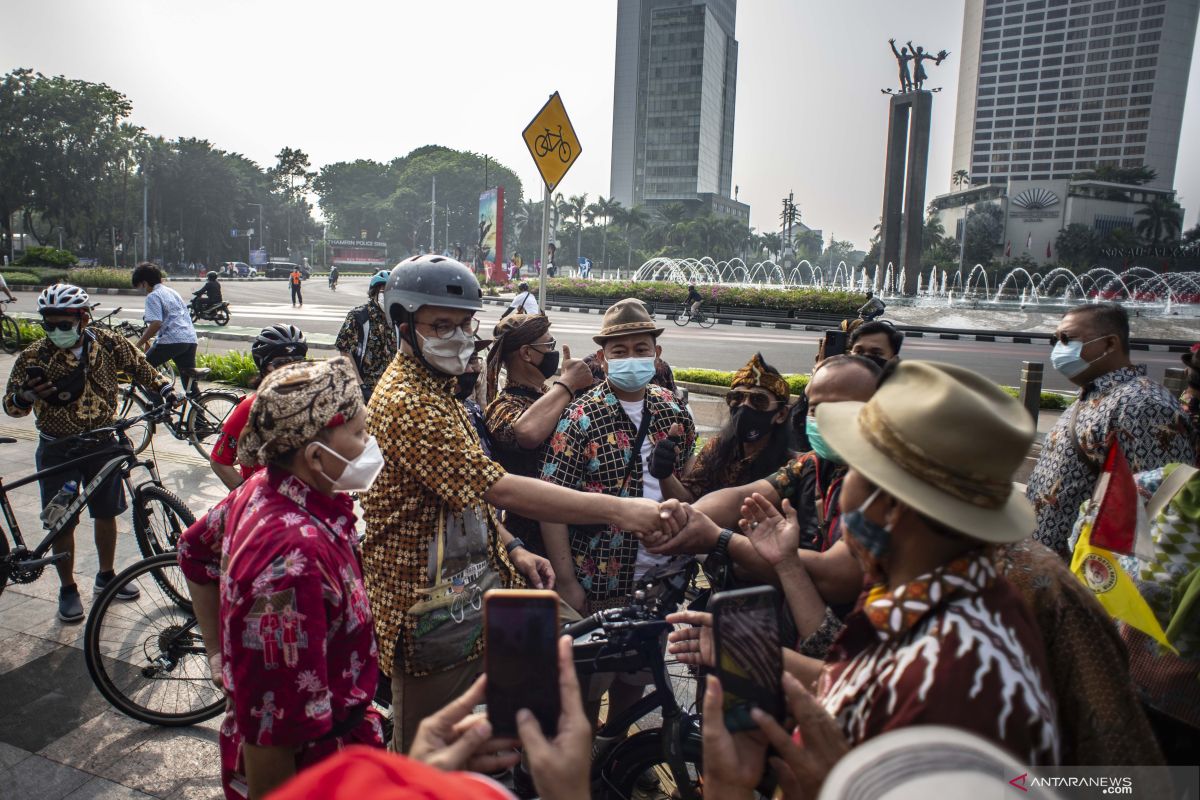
point(123, 460)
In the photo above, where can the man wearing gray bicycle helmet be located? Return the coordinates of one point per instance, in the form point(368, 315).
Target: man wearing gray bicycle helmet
point(69, 381)
point(433, 545)
point(368, 337)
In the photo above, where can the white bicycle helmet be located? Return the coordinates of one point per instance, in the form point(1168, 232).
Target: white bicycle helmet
point(63, 298)
point(275, 341)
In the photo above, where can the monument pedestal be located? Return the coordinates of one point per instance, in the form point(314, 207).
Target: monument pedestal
point(903, 221)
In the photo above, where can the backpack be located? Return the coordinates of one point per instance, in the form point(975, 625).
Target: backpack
point(362, 323)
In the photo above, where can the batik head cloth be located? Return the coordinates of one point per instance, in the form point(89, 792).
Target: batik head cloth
point(757, 373)
point(294, 403)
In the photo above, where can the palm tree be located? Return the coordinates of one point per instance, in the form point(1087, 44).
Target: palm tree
point(574, 209)
point(605, 208)
point(773, 243)
point(960, 178)
point(528, 212)
point(631, 219)
point(1162, 220)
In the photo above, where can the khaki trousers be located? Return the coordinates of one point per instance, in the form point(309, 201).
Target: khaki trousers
point(414, 699)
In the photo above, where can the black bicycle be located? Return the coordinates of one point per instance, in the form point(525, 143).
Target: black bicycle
point(159, 517)
point(10, 331)
point(197, 421)
point(700, 318)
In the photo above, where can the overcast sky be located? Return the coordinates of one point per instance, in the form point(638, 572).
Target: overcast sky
point(355, 79)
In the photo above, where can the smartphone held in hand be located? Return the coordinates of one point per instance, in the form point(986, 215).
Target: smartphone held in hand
point(521, 629)
point(749, 658)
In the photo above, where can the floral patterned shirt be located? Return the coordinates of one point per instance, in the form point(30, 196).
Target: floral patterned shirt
point(1148, 422)
point(590, 451)
point(381, 342)
point(297, 644)
point(956, 646)
point(813, 486)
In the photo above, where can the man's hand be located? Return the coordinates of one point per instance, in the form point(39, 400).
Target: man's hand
point(575, 372)
point(698, 533)
point(638, 515)
point(665, 454)
point(453, 738)
point(733, 762)
point(560, 767)
point(802, 768)
point(572, 593)
point(172, 397)
point(36, 389)
point(692, 645)
point(143, 345)
point(776, 538)
point(535, 569)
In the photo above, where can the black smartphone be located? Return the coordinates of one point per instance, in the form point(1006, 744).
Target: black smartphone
point(749, 658)
point(34, 373)
point(521, 629)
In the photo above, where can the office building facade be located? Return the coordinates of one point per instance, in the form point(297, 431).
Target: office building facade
point(1051, 88)
point(673, 103)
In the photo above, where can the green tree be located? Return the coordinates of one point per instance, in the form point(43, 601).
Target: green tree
point(1110, 173)
point(961, 179)
point(983, 228)
point(1161, 220)
point(603, 209)
point(1077, 246)
point(574, 209)
point(630, 220)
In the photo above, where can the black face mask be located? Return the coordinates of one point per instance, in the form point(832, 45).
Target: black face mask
point(466, 385)
point(549, 364)
point(750, 425)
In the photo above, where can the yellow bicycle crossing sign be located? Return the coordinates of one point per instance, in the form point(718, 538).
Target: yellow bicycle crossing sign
point(552, 142)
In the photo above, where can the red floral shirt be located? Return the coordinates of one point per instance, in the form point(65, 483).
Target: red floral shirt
point(297, 641)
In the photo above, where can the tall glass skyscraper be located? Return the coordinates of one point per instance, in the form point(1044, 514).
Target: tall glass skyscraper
point(1048, 88)
point(673, 102)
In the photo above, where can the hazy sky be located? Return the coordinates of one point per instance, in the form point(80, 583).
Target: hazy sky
point(353, 79)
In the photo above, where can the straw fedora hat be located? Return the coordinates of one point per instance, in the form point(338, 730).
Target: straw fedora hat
point(943, 440)
point(625, 318)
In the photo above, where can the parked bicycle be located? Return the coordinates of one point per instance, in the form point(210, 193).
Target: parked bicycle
point(197, 421)
point(10, 331)
point(159, 517)
point(122, 327)
point(684, 316)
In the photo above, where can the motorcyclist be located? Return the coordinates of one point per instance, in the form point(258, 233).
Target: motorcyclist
point(208, 295)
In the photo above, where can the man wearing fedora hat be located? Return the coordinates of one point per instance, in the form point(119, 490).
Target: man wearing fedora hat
point(941, 637)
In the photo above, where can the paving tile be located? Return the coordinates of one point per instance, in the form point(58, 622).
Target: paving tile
point(11, 756)
point(51, 696)
point(100, 789)
point(43, 779)
point(99, 742)
point(17, 649)
point(199, 789)
point(162, 766)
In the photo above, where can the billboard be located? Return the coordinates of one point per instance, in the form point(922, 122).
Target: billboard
point(358, 253)
point(490, 245)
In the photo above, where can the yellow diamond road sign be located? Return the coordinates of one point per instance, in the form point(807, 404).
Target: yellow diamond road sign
point(552, 142)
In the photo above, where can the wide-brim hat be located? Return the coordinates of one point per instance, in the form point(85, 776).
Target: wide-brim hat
point(943, 440)
point(626, 318)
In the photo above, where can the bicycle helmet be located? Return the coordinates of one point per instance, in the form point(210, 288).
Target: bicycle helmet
point(431, 280)
point(275, 341)
point(378, 279)
point(63, 298)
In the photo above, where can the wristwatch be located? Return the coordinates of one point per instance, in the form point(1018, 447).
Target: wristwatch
point(513, 544)
point(721, 549)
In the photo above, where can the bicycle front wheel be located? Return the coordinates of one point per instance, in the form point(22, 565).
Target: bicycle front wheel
point(707, 321)
point(205, 417)
point(10, 334)
point(146, 656)
point(159, 519)
point(682, 318)
point(637, 767)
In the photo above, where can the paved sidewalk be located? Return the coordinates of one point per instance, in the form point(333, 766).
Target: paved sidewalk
point(59, 738)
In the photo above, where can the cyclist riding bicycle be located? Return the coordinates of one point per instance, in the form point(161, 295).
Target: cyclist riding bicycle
point(168, 323)
point(694, 300)
point(872, 309)
point(69, 381)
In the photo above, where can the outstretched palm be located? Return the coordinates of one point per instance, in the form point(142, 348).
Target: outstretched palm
point(776, 537)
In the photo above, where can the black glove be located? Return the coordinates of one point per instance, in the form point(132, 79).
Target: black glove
point(663, 457)
point(171, 397)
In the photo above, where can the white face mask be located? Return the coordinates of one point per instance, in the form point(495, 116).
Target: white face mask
point(450, 356)
point(361, 472)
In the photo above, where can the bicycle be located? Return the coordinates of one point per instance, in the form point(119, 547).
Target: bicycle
point(10, 330)
point(545, 143)
point(685, 315)
point(121, 327)
point(159, 517)
point(198, 420)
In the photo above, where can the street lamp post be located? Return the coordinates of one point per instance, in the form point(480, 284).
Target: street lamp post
point(260, 230)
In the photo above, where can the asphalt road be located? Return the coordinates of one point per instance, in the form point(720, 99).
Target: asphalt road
point(259, 303)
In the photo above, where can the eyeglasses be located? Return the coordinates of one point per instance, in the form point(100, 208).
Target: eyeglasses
point(444, 330)
point(65, 325)
point(550, 344)
point(1063, 338)
point(759, 402)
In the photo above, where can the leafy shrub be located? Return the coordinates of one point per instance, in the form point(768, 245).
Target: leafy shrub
point(100, 277)
point(46, 256)
point(37, 276)
point(30, 331)
point(17, 278)
point(816, 300)
point(235, 367)
point(716, 377)
point(1049, 400)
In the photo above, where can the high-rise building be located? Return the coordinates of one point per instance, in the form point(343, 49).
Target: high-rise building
point(1049, 88)
point(673, 102)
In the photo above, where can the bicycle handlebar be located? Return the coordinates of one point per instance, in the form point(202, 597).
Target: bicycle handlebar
point(155, 414)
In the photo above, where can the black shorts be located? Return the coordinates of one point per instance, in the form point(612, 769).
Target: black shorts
point(108, 499)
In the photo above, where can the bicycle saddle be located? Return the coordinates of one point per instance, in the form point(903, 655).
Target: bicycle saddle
point(200, 373)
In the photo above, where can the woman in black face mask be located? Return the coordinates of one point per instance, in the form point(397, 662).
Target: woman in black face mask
point(753, 443)
point(468, 392)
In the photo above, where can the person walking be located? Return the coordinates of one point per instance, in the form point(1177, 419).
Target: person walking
point(168, 323)
point(69, 381)
point(333, 278)
point(294, 280)
point(368, 337)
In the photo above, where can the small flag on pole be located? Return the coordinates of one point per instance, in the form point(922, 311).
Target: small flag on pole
point(1029, 240)
point(1048, 250)
point(1008, 249)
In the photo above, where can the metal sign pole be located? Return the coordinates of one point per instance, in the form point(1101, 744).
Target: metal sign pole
point(545, 247)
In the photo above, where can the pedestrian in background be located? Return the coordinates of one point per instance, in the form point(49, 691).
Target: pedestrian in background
point(294, 280)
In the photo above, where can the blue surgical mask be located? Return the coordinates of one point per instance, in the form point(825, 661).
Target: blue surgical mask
point(64, 339)
point(1068, 359)
point(818, 444)
point(875, 539)
point(630, 374)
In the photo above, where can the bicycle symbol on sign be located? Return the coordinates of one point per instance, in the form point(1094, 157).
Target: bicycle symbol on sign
point(549, 142)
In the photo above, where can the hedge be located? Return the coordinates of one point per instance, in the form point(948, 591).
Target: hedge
point(818, 300)
point(235, 367)
point(87, 277)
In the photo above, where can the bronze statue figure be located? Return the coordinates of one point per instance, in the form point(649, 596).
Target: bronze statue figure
point(915, 79)
point(919, 55)
point(902, 59)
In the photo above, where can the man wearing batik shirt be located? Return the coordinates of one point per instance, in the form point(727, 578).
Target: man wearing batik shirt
point(1091, 349)
point(941, 638)
point(299, 661)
